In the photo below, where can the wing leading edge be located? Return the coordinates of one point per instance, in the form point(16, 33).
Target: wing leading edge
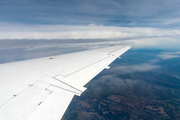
point(41, 89)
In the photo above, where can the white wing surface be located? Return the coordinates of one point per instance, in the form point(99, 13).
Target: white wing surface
point(41, 89)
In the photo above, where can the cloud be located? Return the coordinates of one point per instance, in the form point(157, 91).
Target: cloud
point(111, 80)
point(166, 42)
point(107, 12)
point(169, 55)
point(109, 83)
point(79, 32)
point(135, 68)
point(138, 37)
point(171, 21)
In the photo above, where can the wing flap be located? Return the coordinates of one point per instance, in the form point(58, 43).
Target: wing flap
point(54, 106)
point(25, 102)
point(80, 78)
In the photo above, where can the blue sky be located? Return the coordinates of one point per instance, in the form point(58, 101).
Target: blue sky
point(91, 19)
point(135, 13)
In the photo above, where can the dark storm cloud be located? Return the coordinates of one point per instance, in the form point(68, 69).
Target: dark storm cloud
point(159, 13)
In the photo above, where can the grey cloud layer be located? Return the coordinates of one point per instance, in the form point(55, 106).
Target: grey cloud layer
point(139, 23)
point(136, 37)
point(76, 32)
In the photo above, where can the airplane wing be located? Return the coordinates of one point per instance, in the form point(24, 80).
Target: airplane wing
point(41, 89)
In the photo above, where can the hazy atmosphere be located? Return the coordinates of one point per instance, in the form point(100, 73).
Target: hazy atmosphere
point(143, 84)
point(157, 23)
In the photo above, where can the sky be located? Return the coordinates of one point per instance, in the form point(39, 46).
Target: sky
point(139, 23)
point(38, 28)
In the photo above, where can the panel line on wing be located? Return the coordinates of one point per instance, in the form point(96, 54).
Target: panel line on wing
point(15, 95)
point(116, 50)
point(68, 85)
point(59, 88)
point(65, 89)
point(70, 80)
point(86, 66)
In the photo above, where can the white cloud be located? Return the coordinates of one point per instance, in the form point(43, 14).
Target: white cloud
point(169, 55)
point(171, 21)
point(135, 68)
point(77, 32)
point(136, 37)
